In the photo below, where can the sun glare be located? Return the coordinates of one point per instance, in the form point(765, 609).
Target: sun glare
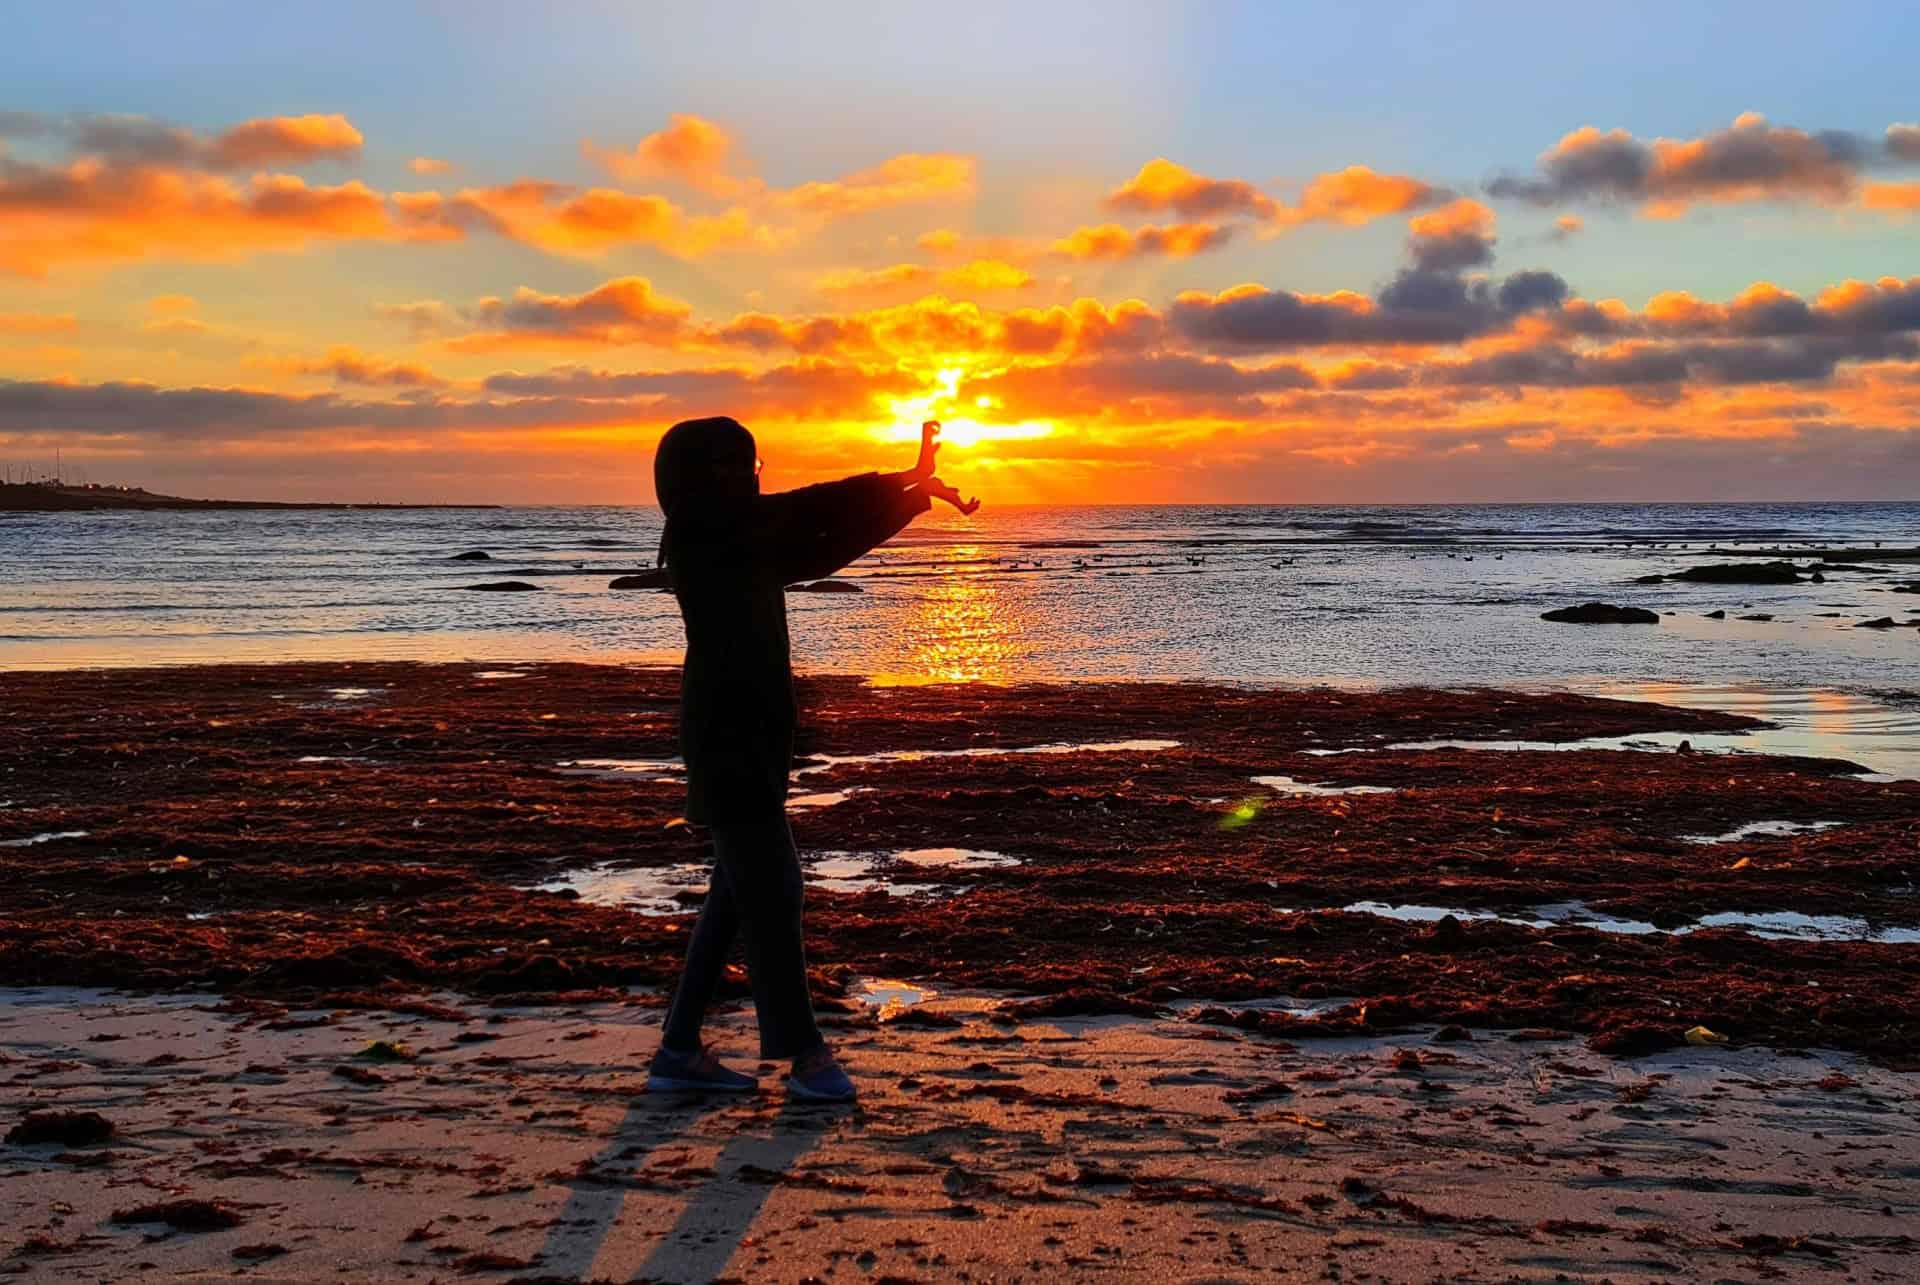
point(956, 430)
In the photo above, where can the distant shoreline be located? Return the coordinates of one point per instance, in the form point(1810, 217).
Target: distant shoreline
point(40, 497)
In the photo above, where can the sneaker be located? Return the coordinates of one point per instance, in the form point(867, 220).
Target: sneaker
point(818, 1078)
point(701, 1072)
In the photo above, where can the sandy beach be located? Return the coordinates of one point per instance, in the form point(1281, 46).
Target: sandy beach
point(1159, 981)
point(515, 1143)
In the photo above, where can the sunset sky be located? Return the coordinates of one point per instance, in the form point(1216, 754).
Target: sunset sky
point(1126, 252)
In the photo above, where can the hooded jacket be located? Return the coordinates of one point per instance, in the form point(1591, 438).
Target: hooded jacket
point(729, 564)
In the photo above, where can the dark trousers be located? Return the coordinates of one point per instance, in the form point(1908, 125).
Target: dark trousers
point(755, 894)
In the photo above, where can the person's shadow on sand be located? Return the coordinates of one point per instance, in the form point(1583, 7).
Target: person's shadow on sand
point(718, 1213)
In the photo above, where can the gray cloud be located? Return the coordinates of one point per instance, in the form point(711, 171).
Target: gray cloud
point(142, 141)
point(1734, 362)
point(1749, 160)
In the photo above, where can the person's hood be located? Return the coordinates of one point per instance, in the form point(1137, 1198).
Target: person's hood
point(683, 463)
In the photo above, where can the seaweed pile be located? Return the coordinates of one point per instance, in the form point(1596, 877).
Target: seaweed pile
point(368, 833)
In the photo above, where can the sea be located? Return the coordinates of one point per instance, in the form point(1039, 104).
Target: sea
point(1388, 595)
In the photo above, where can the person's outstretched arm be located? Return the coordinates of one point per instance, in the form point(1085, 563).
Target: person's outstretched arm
point(813, 532)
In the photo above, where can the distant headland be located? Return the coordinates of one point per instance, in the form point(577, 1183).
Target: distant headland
point(60, 497)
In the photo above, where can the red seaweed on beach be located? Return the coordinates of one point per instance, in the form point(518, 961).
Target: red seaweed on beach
point(230, 826)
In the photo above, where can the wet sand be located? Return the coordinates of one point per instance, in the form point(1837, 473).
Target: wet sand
point(513, 1143)
point(339, 853)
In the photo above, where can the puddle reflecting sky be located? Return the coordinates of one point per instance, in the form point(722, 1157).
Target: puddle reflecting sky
point(1769, 924)
point(651, 890)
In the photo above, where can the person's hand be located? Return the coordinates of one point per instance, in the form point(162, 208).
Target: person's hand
point(929, 446)
point(940, 490)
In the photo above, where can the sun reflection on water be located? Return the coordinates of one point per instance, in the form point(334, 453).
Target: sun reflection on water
point(962, 630)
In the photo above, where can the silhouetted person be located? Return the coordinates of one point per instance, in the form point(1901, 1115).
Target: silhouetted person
point(730, 552)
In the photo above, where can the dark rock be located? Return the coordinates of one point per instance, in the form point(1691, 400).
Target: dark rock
point(1851, 555)
point(1716, 615)
point(825, 586)
point(1653, 579)
point(1602, 613)
point(1634, 1039)
point(1817, 578)
point(1888, 622)
point(68, 1128)
point(1451, 1034)
point(472, 555)
point(656, 579)
point(1741, 573)
point(1912, 586)
point(503, 586)
point(182, 1215)
point(1758, 615)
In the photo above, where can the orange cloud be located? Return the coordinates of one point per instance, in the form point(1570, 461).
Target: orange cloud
point(1163, 185)
point(931, 332)
point(285, 140)
point(700, 153)
point(978, 276)
point(562, 220)
point(1680, 310)
point(858, 281)
point(147, 190)
point(910, 178)
point(692, 149)
point(1461, 218)
point(1358, 195)
point(1111, 241)
point(89, 211)
point(347, 365)
point(986, 274)
point(430, 165)
point(625, 310)
point(1899, 198)
point(172, 305)
point(1348, 197)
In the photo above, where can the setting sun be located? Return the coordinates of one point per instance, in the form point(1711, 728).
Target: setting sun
point(956, 430)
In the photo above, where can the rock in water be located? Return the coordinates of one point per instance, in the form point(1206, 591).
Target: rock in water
point(472, 555)
point(1717, 615)
point(1601, 613)
point(656, 579)
point(1741, 573)
point(503, 586)
point(825, 586)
